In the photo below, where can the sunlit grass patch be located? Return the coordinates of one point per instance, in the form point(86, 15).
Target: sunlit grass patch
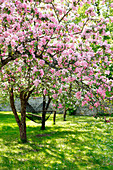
point(79, 143)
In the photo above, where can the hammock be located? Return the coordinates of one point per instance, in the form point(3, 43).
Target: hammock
point(33, 115)
point(37, 118)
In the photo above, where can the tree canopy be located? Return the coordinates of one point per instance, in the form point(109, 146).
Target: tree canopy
point(60, 47)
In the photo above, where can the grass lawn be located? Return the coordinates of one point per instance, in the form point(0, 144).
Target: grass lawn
point(80, 143)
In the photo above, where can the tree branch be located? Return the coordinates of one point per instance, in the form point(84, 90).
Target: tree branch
point(13, 107)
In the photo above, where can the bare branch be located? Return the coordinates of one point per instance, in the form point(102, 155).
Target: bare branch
point(65, 15)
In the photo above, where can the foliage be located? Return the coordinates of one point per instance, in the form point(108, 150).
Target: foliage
point(71, 111)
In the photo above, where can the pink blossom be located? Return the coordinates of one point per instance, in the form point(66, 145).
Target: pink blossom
point(41, 62)
point(45, 92)
point(35, 69)
point(90, 107)
point(84, 63)
point(54, 105)
point(78, 95)
point(101, 91)
point(87, 98)
point(111, 5)
point(60, 106)
point(52, 70)
point(5, 86)
point(36, 82)
point(58, 73)
point(13, 43)
point(19, 69)
point(41, 72)
point(55, 96)
point(96, 75)
point(62, 79)
point(107, 72)
point(53, 19)
point(97, 104)
point(111, 18)
point(84, 102)
point(60, 90)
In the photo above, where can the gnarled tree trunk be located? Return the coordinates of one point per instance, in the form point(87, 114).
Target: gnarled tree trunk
point(12, 104)
point(21, 122)
point(22, 128)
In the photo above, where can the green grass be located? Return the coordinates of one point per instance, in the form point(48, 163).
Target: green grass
point(80, 143)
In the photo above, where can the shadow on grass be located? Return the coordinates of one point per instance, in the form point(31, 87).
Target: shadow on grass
point(35, 146)
point(70, 145)
point(6, 117)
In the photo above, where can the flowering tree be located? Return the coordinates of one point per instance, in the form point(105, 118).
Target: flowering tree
point(62, 38)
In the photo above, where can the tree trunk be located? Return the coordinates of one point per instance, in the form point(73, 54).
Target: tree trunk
point(43, 121)
point(12, 104)
point(54, 117)
point(21, 123)
point(22, 128)
point(43, 113)
point(64, 114)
